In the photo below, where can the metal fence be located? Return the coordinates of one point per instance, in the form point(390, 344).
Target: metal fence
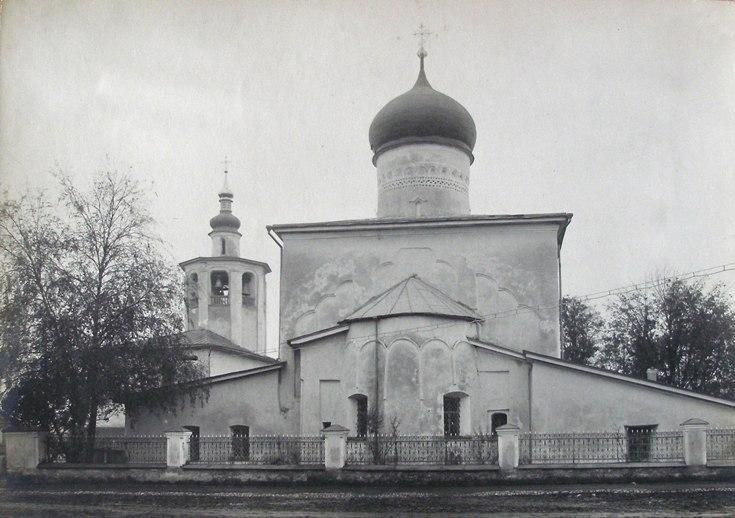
point(721, 444)
point(256, 450)
point(613, 447)
point(135, 449)
point(417, 449)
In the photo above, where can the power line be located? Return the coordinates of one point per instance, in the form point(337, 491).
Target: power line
point(704, 272)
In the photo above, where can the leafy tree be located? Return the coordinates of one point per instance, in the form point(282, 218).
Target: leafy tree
point(90, 314)
point(580, 331)
point(683, 330)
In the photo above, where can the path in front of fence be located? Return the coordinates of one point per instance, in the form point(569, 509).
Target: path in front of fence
point(680, 499)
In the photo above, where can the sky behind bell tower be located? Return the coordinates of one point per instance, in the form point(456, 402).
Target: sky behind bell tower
point(621, 112)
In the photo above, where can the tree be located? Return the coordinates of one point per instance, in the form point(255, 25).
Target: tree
point(683, 330)
point(580, 331)
point(91, 312)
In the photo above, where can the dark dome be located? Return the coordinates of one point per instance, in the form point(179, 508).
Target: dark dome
point(422, 115)
point(224, 221)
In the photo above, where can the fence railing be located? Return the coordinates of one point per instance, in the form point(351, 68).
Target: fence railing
point(137, 449)
point(416, 449)
point(613, 447)
point(256, 450)
point(721, 444)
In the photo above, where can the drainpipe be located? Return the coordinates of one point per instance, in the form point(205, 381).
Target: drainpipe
point(377, 372)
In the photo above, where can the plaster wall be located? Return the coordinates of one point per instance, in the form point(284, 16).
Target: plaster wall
point(232, 243)
point(407, 375)
point(508, 271)
point(220, 362)
point(420, 180)
point(250, 401)
point(564, 400)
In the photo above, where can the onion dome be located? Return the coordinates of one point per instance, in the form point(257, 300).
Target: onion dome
point(225, 220)
point(422, 115)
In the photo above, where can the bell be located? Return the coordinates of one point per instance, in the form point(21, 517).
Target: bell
point(218, 283)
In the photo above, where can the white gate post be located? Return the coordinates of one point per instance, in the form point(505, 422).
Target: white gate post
point(177, 448)
point(508, 446)
point(695, 441)
point(24, 450)
point(335, 446)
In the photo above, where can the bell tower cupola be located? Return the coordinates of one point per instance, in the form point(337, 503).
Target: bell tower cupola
point(225, 233)
point(225, 293)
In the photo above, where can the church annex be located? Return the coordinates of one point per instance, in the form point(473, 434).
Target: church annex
point(439, 321)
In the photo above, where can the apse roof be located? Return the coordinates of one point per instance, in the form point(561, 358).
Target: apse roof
point(412, 296)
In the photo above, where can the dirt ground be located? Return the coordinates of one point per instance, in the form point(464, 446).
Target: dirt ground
point(680, 499)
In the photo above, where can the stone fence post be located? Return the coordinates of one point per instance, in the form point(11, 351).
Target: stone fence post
point(695, 441)
point(24, 450)
point(335, 446)
point(177, 448)
point(508, 446)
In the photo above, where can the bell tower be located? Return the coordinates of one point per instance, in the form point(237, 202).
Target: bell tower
point(226, 293)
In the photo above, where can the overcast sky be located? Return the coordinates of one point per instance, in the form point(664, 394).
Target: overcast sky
point(620, 112)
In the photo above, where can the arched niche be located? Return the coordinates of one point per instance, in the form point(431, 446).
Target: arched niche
point(402, 397)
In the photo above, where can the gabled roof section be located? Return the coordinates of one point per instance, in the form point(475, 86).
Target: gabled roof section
point(314, 336)
point(412, 296)
point(229, 376)
point(204, 338)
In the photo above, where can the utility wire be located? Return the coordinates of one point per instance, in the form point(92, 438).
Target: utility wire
point(704, 272)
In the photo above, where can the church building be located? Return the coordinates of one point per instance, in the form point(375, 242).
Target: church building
point(427, 318)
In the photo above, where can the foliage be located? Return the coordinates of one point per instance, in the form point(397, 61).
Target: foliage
point(90, 315)
point(580, 331)
point(683, 330)
point(377, 444)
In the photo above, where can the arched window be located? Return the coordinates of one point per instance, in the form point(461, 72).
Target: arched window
point(193, 286)
point(248, 289)
point(240, 442)
point(360, 412)
point(451, 415)
point(456, 414)
point(220, 288)
point(497, 419)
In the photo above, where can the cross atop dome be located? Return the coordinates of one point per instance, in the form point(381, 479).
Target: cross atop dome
point(423, 34)
point(225, 191)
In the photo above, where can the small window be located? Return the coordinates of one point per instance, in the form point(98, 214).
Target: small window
point(326, 424)
point(640, 439)
point(497, 420)
point(222, 245)
point(193, 442)
point(451, 416)
point(240, 442)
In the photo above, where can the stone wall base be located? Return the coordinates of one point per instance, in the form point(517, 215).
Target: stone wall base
point(373, 475)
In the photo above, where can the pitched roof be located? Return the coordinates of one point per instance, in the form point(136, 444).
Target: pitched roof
point(204, 338)
point(412, 296)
